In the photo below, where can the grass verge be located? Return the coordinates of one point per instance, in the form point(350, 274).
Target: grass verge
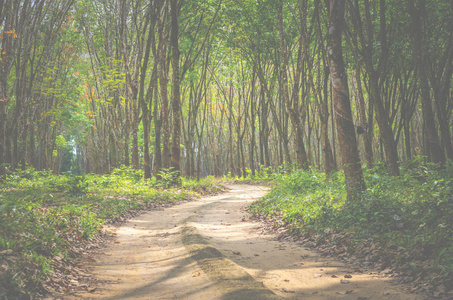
point(402, 225)
point(46, 221)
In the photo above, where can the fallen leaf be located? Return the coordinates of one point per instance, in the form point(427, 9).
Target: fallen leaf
point(196, 274)
point(117, 242)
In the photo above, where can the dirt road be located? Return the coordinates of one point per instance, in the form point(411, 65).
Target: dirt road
point(206, 249)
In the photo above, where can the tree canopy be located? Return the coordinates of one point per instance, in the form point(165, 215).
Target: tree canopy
point(223, 87)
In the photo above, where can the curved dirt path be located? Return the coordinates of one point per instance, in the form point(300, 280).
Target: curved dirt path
point(206, 249)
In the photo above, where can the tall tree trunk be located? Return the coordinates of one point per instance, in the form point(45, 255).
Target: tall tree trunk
point(363, 118)
point(135, 154)
point(230, 131)
point(252, 124)
point(175, 97)
point(146, 103)
point(3, 105)
point(165, 115)
point(355, 183)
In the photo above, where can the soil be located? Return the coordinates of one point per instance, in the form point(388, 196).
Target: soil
point(209, 248)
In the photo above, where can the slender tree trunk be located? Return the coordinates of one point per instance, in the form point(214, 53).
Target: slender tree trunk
point(163, 79)
point(134, 125)
point(363, 119)
point(252, 124)
point(146, 103)
point(176, 97)
point(3, 160)
point(157, 161)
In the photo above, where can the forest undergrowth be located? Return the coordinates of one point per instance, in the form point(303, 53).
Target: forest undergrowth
point(48, 222)
point(402, 226)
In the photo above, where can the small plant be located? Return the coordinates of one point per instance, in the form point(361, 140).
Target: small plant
point(169, 178)
point(77, 186)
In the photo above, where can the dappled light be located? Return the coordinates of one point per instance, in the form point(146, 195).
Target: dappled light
point(113, 109)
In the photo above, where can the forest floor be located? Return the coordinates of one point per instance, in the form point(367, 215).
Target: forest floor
point(210, 248)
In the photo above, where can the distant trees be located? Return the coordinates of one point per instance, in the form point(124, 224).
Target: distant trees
point(36, 82)
point(219, 87)
point(440, 80)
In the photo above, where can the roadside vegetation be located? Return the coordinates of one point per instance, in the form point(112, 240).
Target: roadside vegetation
point(400, 225)
point(48, 221)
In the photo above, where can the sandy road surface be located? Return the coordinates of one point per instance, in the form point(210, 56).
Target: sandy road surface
point(205, 249)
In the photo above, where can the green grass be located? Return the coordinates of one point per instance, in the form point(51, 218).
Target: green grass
point(263, 176)
point(405, 222)
point(43, 216)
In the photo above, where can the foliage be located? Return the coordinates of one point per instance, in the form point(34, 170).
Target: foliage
point(43, 216)
point(263, 175)
point(409, 217)
point(168, 178)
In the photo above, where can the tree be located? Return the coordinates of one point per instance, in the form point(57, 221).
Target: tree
point(355, 183)
point(175, 96)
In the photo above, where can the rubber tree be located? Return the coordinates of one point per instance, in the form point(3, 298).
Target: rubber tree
point(355, 183)
point(176, 93)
